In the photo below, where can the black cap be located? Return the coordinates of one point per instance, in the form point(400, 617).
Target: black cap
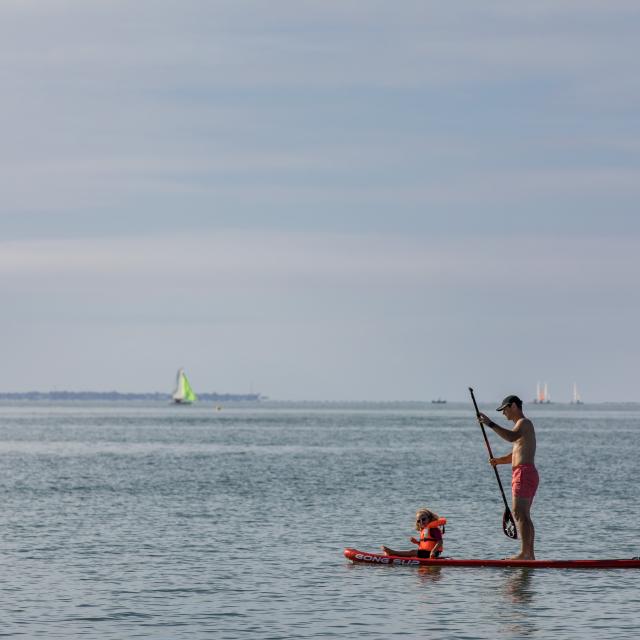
point(509, 400)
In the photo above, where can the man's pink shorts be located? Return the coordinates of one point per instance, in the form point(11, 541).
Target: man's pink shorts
point(524, 481)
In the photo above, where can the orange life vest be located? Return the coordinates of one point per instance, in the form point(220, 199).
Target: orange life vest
point(428, 541)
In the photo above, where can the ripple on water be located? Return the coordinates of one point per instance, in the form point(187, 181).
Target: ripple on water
point(148, 523)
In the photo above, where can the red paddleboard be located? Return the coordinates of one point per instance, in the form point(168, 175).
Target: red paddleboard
point(377, 558)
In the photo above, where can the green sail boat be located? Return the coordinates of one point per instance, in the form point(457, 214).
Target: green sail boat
point(184, 393)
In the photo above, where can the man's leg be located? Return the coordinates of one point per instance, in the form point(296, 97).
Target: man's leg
point(521, 513)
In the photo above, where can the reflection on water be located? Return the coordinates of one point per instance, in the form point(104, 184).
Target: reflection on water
point(518, 587)
point(429, 575)
point(519, 599)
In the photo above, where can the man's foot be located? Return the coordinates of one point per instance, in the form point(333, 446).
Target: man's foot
point(522, 556)
point(388, 551)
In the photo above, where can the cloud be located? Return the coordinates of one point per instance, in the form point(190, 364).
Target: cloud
point(239, 260)
point(330, 186)
point(118, 112)
point(312, 44)
point(319, 315)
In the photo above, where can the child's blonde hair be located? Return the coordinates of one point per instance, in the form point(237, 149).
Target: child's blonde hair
point(423, 513)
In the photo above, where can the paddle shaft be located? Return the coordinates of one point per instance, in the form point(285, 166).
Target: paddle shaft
point(486, 441)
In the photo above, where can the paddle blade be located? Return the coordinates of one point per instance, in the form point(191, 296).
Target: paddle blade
point(509, 525)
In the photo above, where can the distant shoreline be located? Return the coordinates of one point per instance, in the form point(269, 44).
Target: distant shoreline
point(116, 395)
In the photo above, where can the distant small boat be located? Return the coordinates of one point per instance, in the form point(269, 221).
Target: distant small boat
point(439, 401)
point(184, 393)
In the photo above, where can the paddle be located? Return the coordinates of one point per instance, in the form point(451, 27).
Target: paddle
point(508, 523)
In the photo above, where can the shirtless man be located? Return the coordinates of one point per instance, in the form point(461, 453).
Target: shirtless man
point(524, 476)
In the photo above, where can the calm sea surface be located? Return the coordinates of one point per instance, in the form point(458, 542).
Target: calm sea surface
point(150, 521)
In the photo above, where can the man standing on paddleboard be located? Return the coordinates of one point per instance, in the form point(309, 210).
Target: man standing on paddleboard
point(524, 475)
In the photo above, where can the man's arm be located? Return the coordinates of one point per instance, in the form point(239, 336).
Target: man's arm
point(502, 460)
point(506, 434)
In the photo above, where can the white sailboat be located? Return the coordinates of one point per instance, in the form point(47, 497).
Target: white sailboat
point(576, 396)
point(542, 394)
point(184, 393)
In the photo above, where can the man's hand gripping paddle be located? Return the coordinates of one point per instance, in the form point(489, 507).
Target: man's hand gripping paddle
point(508, 523)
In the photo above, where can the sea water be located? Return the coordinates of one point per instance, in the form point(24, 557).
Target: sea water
point(131, 520)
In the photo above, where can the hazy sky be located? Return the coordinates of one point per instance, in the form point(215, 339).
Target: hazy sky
point(349, 200)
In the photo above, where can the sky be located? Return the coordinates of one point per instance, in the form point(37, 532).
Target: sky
point(319, 199)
